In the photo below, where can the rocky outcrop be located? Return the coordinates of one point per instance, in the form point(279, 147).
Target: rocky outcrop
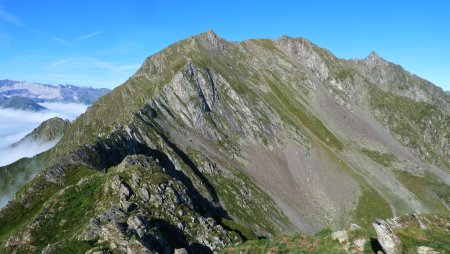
point(158, 212)
point(140, 207)
point(389, 241)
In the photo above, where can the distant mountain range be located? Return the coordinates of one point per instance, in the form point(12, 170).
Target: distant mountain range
point(51, 93)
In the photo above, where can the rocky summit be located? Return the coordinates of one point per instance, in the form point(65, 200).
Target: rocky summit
point(48, 130)
point(212, 143)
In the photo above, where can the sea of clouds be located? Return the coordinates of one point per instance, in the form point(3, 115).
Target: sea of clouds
point(15, 124)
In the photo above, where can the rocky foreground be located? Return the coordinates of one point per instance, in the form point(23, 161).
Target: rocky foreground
point(415, 233)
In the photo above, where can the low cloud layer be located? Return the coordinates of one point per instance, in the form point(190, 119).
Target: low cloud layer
point(10, 183)
point(27, 149)
point(69, 110)
point(15, 124)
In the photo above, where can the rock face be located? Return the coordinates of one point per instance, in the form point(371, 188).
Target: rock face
point(213, 142)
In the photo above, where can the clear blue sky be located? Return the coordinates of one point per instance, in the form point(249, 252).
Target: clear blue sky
point(102, 43)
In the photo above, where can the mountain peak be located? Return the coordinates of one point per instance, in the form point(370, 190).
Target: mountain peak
point(211, 40)
point(213, 37)
point(211, 33)
point(289, 38)
point(373, 56)
point(49, 130)
point(373, 59)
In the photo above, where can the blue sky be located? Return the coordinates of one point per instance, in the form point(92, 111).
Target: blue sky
point(102, 43)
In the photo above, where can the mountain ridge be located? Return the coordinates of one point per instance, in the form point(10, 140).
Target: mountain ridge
point(48, 130)
point(261, 136)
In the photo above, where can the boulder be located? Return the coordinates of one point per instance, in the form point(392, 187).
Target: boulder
point(340, 235)
point(426, 250)
point(181, 251)
point(389, 241)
